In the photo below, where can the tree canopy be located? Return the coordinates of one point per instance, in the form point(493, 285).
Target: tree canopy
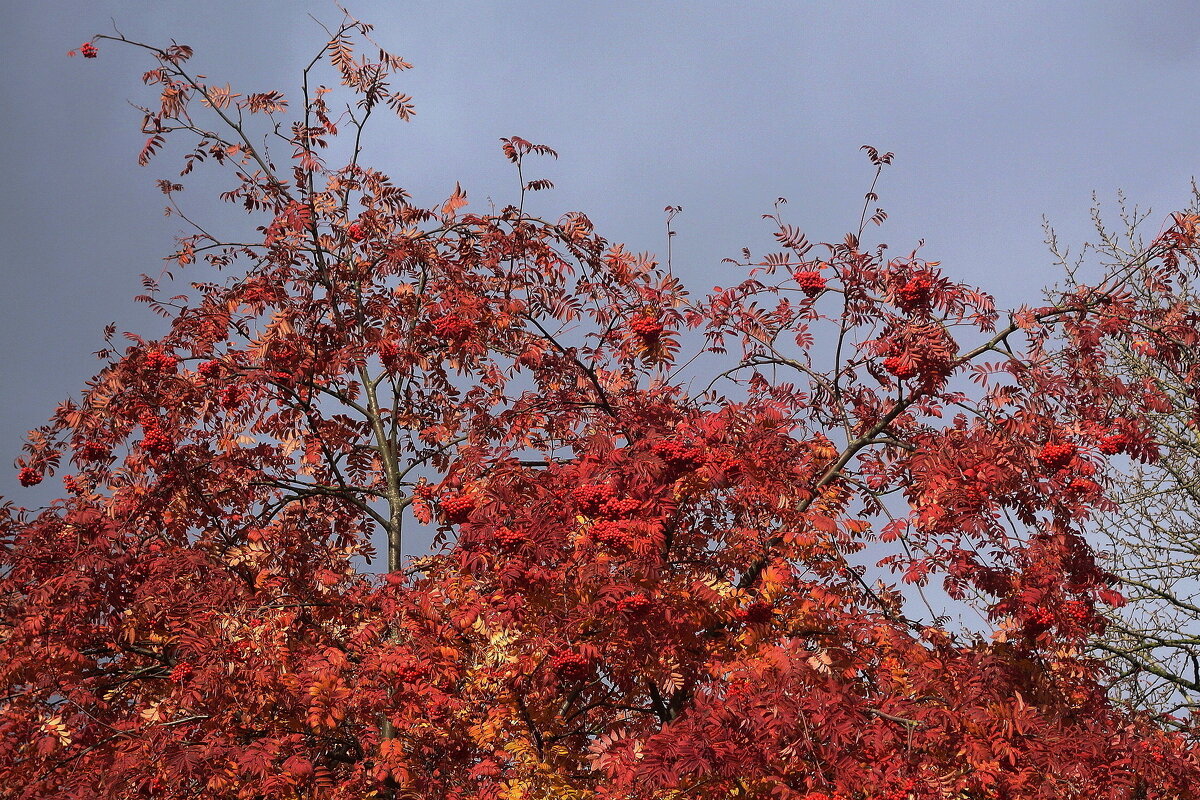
point(689, 545)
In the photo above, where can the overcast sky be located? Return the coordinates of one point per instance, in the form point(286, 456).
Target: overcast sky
point(999, 113)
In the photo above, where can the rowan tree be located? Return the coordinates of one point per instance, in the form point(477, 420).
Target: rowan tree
point(683, 541)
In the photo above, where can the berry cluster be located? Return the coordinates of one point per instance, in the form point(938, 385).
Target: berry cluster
point(678, 455)
point(456, 507)
point(623, 508)
point(356, 231)
point(647, 326)
point(155, 440)
point(231, 398)
point(28, 476)
point(158, 361)
point(921, 350)
point(635, 605)
point(209, 369)
point(181, 672)
point(1056, 455)
point(591, 496)
point(93, 451)
point(757, 613)
point(1042, 616)
point(811, 282)
point(388, 350)
point(507, 537)
point(571, 666)
point(600, 500)
point(1113, 443)
point(451, 326)
point(905, 791)
point(903, 368)
point(409, 672)
point(1078, 613)
point(915, 294)
point(612, 534)
point(88, 50)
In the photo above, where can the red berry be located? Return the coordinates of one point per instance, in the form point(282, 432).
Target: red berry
point(156, 441)
point(757, 613)
point(811, 282)
point(92, 451)
point(915, 294)
point(678, 455)
point(388, 350)
point(450, 326)
point(619, 509)
point(209, 369)
point(903, 368)
point(88, 50)
point(356, 231)
point(158, 361)
point(646, 325)
point(591, 496)
point(612, 533)
point(231, 398)
point(1077, 612)
point(635, 605)
point(1056, 455)
point(28, 476)
point(1042, 616)
point(409, 672)
point(571, 666)
point(507, 537)
point(456, 507)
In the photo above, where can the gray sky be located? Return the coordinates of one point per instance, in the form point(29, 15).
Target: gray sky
point(998, 113)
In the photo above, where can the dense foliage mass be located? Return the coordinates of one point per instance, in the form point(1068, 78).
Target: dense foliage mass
point(656, 576)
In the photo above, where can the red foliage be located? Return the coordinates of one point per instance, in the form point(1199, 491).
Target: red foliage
point(640, 589)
